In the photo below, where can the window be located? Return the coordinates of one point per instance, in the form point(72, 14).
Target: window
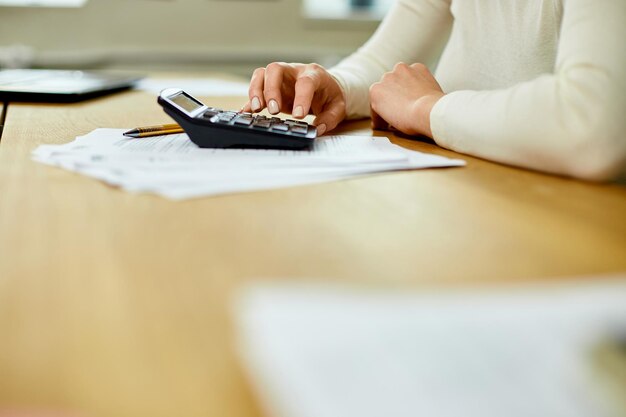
point(346, 9)
point(43, 3)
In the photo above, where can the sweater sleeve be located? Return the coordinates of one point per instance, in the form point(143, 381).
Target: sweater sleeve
point(412, 31)
point(571, 122)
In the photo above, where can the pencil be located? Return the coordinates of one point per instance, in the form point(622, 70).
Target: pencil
point(143, 132)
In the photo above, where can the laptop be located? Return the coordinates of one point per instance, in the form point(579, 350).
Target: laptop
point(60, 85)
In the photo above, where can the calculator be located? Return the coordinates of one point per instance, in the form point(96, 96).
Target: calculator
point(210, 127)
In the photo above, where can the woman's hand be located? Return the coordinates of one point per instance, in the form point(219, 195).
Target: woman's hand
point(298, 89)
point(404, 99)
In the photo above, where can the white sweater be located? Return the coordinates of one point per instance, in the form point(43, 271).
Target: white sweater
point(534, 83)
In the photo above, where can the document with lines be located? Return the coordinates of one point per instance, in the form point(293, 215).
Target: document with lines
point(174, 167)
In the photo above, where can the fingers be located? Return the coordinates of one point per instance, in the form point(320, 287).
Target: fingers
point(273, 83)
point(299, 89)
point(377, 121)
point(307, 84)
point(427, 75)
point(255, 92)
point(281, 85)
point(332, 115)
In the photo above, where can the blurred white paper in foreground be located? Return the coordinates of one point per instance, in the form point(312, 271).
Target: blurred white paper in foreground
point(174, 167)
point(315, 351)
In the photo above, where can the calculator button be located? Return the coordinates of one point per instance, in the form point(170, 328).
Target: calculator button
point(301, 130)
point(209, 113)
point(263, 124)
point(281, 127)
point(243, 121)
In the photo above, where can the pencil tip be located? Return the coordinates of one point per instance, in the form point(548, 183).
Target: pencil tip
point(131, 133)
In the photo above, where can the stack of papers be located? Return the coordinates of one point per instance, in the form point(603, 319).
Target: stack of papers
point(329, 351)
point(196, 86)
point(174, 167)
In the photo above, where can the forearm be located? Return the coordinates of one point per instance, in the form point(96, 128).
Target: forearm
point(570, 122)
point(413, 31)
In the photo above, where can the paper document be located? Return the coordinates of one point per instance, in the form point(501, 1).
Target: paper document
point(195, 86)
point(328, 351)
point(174, 167)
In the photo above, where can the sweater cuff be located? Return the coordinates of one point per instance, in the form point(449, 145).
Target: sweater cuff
point(438, 125)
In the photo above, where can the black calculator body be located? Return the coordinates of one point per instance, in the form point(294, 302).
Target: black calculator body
point(209, 127)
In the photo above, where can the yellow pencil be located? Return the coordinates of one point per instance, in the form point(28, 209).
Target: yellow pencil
point(143, 132)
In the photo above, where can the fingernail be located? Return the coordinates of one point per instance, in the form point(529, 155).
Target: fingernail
point(273, 106)
point(321, 129)
point(298, 112)
point(256, 104)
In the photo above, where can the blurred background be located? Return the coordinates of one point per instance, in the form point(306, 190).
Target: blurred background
point(232, 36)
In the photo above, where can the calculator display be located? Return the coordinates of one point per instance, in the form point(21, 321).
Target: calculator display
point(186, 102)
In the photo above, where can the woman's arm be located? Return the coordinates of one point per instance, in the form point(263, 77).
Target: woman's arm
point(412, 31)
point(571, 122)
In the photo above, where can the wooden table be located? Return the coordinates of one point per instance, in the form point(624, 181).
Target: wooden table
point(116, 304)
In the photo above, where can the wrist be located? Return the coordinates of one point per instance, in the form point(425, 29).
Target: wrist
point(338, 89)
point(422, 109)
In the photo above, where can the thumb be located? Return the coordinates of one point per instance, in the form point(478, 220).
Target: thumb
point(328, 119)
